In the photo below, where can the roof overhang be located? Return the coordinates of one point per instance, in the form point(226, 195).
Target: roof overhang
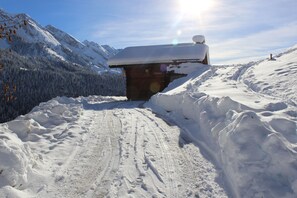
point(159, 54)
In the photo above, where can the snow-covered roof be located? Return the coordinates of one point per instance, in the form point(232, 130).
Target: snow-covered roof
point(184, 52)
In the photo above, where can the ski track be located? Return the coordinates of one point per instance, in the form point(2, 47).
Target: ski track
point(127, 151)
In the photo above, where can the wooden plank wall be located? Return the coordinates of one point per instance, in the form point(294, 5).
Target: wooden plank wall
point(143, 81)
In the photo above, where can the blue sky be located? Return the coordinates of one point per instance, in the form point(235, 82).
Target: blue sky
point(236, 31)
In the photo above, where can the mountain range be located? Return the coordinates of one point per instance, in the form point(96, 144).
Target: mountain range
point(53, 43)
point(39, 63)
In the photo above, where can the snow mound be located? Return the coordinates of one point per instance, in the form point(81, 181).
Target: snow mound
point(27, 142)
point(250, 151)
point(55, 112)
point(45, 117)
point(254, 157)
point(16, 161)
point(17, 137)
point(251, 136)
point(25, 129)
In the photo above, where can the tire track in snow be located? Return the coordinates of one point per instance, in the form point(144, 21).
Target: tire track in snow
point(131, 170)
point(128, 151)
point(168, 161)
point(103, 182)
point(152, 163)
point(196, 176)
point(88, 168)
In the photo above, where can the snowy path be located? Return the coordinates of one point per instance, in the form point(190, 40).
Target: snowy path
point(127, 151)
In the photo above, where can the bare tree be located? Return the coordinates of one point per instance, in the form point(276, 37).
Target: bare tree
point(8, 28)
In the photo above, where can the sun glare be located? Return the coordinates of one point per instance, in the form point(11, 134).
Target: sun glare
point(195, 7)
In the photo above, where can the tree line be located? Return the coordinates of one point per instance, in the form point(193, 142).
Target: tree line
point(38, 79)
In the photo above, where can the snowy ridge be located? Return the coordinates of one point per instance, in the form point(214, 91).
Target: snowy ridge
point(91, 55)
point(112, 51)
point(64, 38)
point(55, 43)
point(97, 48)
point(34, 33)
point(247, 123)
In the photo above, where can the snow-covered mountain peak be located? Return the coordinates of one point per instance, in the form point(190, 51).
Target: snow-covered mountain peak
point(35, 40)
point(32, 32)
point(63, 37)
point(91, 43)
point(111, 50)
point(107, 50)
point(35, 33)
point(4, 14)
point(23, 16)
point(97, 48)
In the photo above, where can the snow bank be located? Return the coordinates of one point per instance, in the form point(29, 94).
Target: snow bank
point(16, 160)
point(257, 154)
point(26, 142)
point(45, 117)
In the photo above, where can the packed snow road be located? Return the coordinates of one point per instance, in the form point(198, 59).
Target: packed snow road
point(128, 151)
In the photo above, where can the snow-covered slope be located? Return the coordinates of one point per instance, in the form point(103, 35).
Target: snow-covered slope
point(91, 52)
point(245, 117)
point(276, 77)
point(35, 40)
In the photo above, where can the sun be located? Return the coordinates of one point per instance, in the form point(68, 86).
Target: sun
point(195, 7)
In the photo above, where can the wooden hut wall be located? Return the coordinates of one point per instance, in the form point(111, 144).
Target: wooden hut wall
point(205, 61)
point(143, 81)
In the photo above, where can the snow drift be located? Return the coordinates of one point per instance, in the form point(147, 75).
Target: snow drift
point(27, 144)
point(16, 161)
point(17, 137)
point(250, 135)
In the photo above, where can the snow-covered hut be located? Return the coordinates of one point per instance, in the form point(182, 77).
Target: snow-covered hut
point(146, 67)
